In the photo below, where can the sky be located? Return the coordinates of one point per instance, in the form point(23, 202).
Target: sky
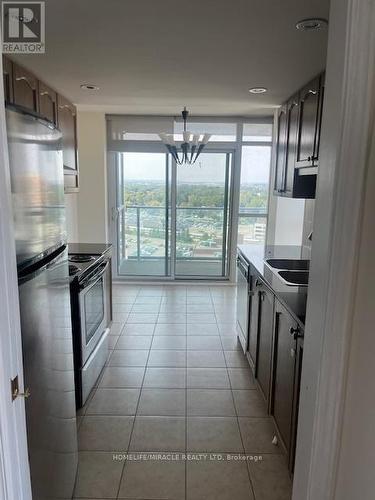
point(209, 168)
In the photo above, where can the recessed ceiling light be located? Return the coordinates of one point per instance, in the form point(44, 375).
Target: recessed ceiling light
point(89, 86)
point(311, 24)
point(258, 90)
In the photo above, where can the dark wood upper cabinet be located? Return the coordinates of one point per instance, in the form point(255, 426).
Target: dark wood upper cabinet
point(25, 88)
point(292, 107)
point(265, 341)
point(309, 127)
point(47, 103)
point(298, 183)
point(297, 148)
point(67, 125)
point(8, 80)
point(281, 148)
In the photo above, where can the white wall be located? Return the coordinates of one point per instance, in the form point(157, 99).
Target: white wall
point(71, 212)
point(357, 462)
point(330, 139)
point(92, 211)
point(335, 448)
point(289, 221)
point(308, 228)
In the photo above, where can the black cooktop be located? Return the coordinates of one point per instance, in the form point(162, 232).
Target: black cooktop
point(89, 248)
point(84, 256)
point(80, 258)
point(73, 270)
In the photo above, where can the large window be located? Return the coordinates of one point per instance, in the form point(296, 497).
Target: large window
point(254, 191)
point(174, 221)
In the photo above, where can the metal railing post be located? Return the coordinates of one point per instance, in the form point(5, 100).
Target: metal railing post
point(138, 233)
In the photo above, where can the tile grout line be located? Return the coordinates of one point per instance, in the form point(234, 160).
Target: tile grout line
point(186, 398)
point(186, 384)
point(136, 410)
point(236, 412)
point(242, 441)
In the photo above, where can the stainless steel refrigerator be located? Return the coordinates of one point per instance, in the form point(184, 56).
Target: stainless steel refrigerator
point(37, 182)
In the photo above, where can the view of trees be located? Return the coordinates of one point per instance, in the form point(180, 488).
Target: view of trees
point(199, 218)
point(153, 193)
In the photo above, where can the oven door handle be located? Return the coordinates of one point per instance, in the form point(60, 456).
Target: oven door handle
point(94, 277)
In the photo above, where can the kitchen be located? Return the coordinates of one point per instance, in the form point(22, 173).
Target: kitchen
point(156, 364)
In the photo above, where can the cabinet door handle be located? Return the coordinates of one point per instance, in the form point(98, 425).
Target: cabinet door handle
point(46, 93)
point(66, 106)
point(296, 332)
point(24, 79)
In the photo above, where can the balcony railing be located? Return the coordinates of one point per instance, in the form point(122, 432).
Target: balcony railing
point(144, 232)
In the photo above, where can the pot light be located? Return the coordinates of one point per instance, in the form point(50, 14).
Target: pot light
point(258, 90)
point(311, 24)
point(89, 86)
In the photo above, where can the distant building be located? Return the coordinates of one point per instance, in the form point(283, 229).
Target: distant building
point(260, 231)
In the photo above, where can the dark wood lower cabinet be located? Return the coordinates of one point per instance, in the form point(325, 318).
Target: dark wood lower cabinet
point(286, 362)
point(253, 322)
point(296, 396)
point(275, 355)
point(265, 340)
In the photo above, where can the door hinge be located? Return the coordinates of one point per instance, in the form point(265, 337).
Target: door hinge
point(14, 387)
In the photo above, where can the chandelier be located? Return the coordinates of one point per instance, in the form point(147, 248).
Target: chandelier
point(191, 146)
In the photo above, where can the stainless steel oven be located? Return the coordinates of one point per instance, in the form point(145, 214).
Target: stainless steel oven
point(243, 301)
point(91, 317)
point(93, 309)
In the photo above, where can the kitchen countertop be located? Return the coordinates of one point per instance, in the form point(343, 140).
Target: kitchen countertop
point(294, 298)
point(89, 248)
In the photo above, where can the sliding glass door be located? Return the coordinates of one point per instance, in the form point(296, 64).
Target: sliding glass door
point(171, 221)
point(142, 236)
point(202, 212)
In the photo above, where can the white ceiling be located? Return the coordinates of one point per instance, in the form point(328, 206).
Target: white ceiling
point(155, 56)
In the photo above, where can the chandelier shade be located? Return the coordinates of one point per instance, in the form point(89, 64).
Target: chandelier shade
point(191, 146)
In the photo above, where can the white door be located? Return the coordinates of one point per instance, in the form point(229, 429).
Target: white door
point(14, 466)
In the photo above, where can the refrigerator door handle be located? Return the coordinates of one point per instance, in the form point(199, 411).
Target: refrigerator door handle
point(14, 387)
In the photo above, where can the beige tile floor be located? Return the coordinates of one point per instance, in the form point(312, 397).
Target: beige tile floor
point(177, 386)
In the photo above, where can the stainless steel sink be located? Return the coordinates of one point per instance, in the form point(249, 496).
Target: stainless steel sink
point(294, 278)
point(289, 264)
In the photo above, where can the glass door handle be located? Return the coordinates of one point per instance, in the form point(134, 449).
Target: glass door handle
point(116, 212)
